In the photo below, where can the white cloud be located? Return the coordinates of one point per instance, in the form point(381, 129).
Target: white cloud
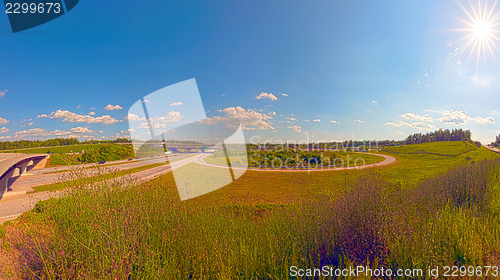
point(81, 130)
point(433, 111)
point(359, 121)
point(421, 126)
point(5, 137)
point(296, 128)
point(31, 123)
point(78, 107)
point(459, 118)
point(316, 120)
point(269, 96)
point(250, 119)
point(59, 133)
point(398, 124)
point(292, 119)
point(77, 132)
point(32, 132)
point(133, 118)
point(3, 93)
point(176, 104)
point(412, 116)
point(374, 102)
point(4, 130)
point(284, 94)
point(67, 116)
point(454, 117)
point(272, 113)
point(3, 121)
point(112, 108)
point(334, 121)
point(92, 114)
point(159, 121)
point(172, 116)
point(481, 120)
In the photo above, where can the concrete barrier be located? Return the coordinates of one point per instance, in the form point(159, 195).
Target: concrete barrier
point(15, 165)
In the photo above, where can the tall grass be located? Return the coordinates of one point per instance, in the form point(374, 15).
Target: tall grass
point(122, 230)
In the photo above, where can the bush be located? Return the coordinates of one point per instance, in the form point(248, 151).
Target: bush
point(106, 152)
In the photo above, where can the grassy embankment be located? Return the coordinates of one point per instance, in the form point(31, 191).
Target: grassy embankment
point(426, 210)
point(72, 154)
point(348, 159)
point(57, 150)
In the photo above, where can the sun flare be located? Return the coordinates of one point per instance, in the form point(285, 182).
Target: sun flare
point(481, 29)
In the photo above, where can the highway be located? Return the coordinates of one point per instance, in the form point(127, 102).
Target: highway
point(13, 206)
point(496, 150)
point(40, 177)
point(20, 200)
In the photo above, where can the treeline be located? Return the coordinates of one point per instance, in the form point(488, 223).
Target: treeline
point(23, 144)
point(311, 146)
point(417, 138)
point(439, 136)
point(118, 140)
point(159, 141)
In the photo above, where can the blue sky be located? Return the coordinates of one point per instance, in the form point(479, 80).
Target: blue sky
point(324, 70)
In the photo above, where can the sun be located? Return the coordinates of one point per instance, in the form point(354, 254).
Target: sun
point(481, 30)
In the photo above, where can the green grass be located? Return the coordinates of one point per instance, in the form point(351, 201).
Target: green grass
point(425, 210)
point(57, 150)
point(114, 164)
point(448, 148)
point(351, 158)
point(414, 166)
point(71, 154)
point(78, 177)
point(144, 231)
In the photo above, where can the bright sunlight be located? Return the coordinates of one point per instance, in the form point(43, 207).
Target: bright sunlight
point(481, 30)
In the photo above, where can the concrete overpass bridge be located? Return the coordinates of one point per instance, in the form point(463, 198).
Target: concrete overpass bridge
point(12, 166)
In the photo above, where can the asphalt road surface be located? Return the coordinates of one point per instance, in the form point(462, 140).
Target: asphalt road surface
point(11, 206)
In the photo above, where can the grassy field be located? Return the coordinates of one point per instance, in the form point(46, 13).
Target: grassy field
point(89, 175)
point(352, 159)
point(450, 148)
point(425, 210)
point(415, 166)
point(57, 150)
point(72, 154)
